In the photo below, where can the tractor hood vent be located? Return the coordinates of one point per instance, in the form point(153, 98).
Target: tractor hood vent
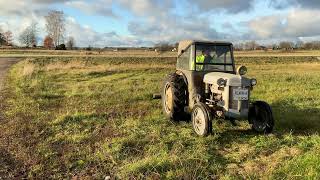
point(232, 79)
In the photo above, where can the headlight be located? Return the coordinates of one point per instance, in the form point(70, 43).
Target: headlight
point(253, 82)
point(242, 70)
point(221, 82)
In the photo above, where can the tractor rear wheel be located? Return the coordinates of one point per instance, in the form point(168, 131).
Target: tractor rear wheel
point(174, 97)
point(261, 117)
point(201, 119)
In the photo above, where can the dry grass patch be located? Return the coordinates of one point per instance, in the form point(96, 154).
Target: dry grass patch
point(28, 68)
point(267, 163)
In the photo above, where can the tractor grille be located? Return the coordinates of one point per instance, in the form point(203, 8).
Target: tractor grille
point(233, 104)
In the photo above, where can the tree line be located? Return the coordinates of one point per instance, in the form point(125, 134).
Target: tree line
point(55, 38)
point(283, 45)
point(253, 45)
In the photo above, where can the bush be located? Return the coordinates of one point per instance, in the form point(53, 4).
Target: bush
point(89, 48)
point(61, 47)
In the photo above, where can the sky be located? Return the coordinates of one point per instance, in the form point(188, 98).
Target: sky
point(137, 23)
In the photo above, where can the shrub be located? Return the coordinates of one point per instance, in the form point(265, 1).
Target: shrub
point(61, 47)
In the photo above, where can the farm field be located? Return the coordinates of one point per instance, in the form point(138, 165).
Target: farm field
point(143, 53)
point(92, 117)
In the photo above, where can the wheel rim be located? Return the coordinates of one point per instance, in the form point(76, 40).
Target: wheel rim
point(199, 121)
point(168, 98)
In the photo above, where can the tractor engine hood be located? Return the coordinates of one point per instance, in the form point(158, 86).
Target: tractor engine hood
point(232, 79)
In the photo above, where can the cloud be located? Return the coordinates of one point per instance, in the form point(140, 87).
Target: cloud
point(297, 23)
point(158, 22)
point(25, 8)
point(148, 7)
point(231, 6)
point(307, 4)
point(101, 7)
point(86, 36)
point(174, 30)
point(49, 1)
point(41, 7)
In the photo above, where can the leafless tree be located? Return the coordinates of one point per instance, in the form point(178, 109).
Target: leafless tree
point(71, 43)
point(2, 40)
point(239, 46)
point(286, 45)
point(299, 44)
point(161, 47)
point(251, 45)
point(8, 37)
point(55, 25)
point(28, 37)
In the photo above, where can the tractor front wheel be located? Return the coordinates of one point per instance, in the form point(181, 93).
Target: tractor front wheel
point(201, 119)
point(261, 118)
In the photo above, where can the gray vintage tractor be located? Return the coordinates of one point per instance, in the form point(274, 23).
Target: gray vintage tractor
point(207, 86)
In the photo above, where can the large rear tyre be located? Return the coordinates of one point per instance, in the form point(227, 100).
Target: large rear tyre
point(174, 97)
point(261, 117)
point(201, 119)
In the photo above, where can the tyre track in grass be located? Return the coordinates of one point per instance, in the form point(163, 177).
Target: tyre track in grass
point(5, 64)
point(8, 162)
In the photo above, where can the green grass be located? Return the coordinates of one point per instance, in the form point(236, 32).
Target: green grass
point(94, 117)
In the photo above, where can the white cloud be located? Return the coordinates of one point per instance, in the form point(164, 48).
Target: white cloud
point(232, 6)
point(308, 4)
point(86, 36)
point(157, 22)
point(297, 23)
point(148, 7)
point(100, 7)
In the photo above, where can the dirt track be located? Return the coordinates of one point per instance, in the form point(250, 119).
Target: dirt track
point(5, 63)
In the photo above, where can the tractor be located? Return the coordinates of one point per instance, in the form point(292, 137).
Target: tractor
point(206, 86)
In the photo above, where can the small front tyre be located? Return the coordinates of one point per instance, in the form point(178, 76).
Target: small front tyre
point(201, 119)
point(261, 118)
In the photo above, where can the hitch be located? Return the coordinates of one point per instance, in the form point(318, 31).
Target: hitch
point(156, 96)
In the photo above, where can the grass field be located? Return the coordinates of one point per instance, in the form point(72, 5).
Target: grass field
point(94, 117)
point(144, 53)
point(83, 53)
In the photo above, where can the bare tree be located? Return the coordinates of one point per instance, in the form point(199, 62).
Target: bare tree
point(2, 39)
point(161, 47)
point(251, 45)
point(71, 43)
point(55, 25)
point(28, 37)
point(316, 45)
point(299, 44)
point(286, 45)
point(8, 37)
point(239, 46)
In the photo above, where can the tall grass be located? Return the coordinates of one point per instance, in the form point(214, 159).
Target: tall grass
point(94, 117)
